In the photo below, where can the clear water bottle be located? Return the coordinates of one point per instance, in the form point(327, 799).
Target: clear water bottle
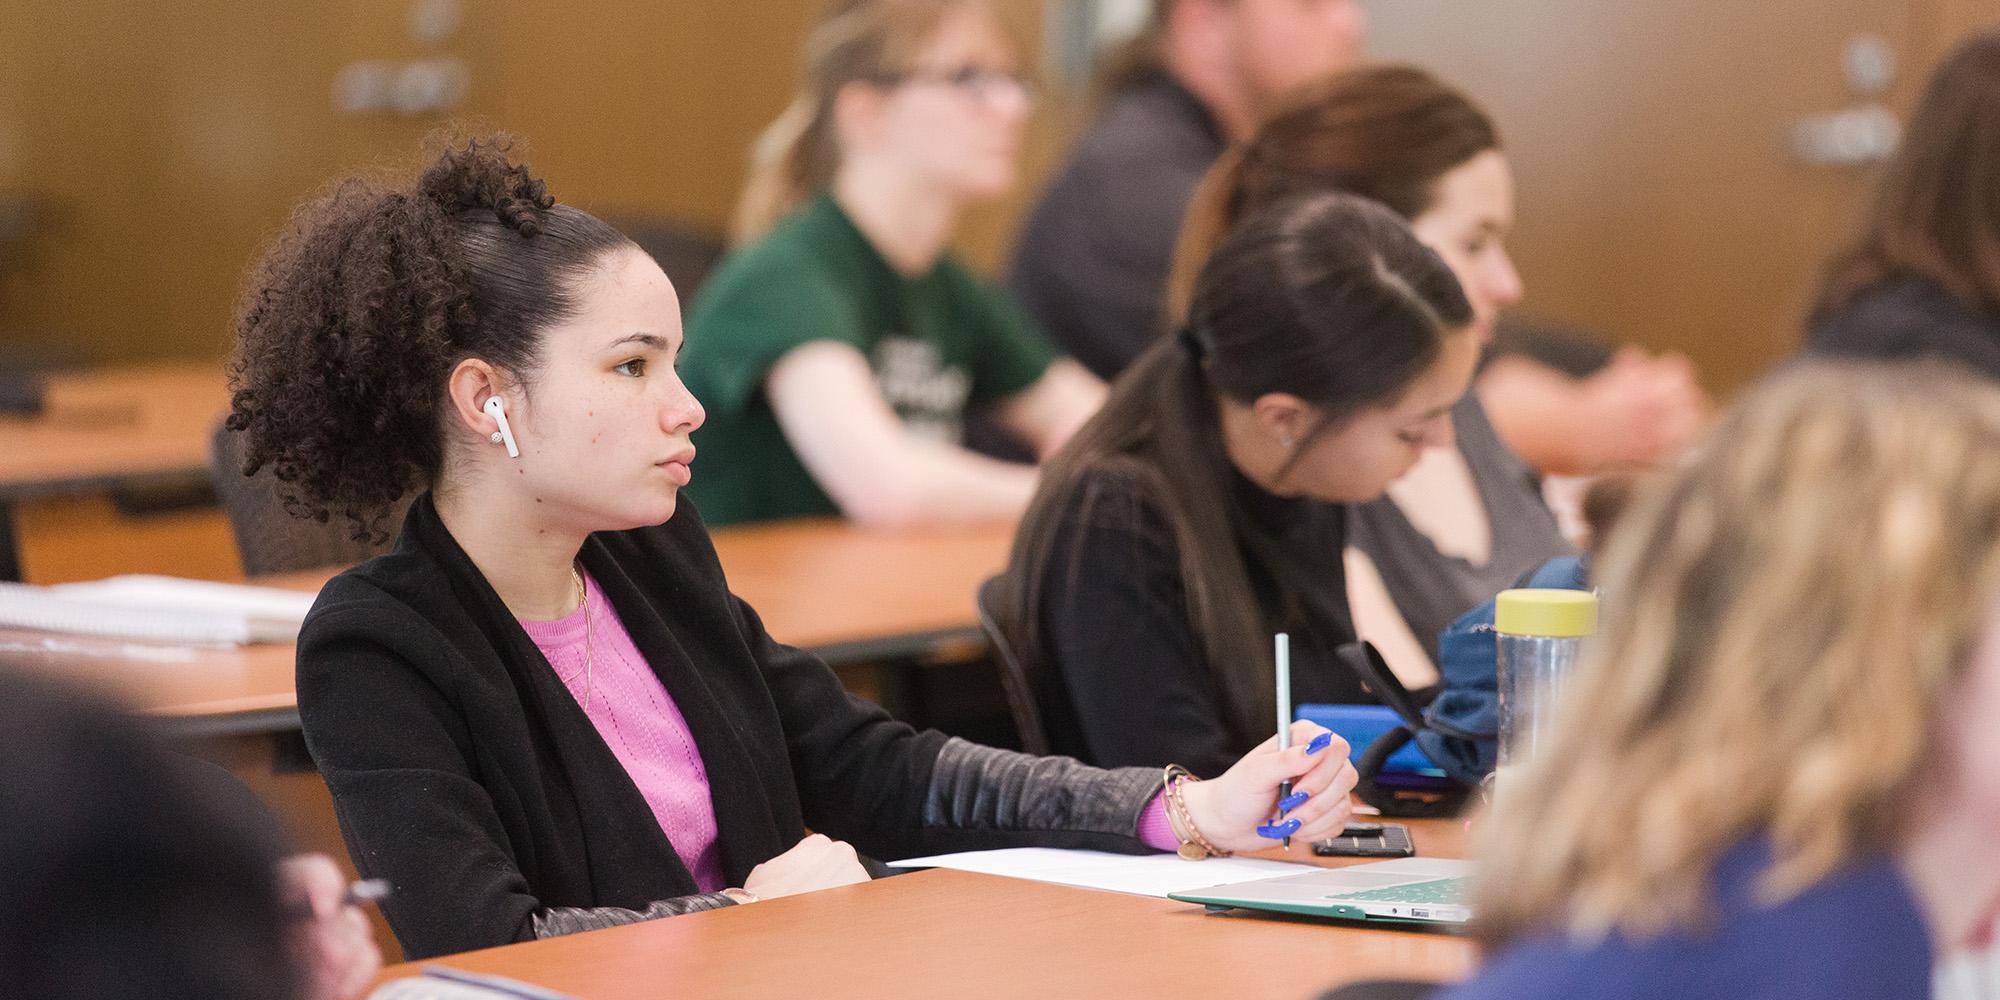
point(1540, 633)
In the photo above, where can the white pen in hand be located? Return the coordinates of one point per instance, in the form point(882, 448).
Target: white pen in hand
point(1282, 655)
point(362, 893)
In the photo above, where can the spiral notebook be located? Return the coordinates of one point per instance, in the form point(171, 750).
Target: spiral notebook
point(158, 608)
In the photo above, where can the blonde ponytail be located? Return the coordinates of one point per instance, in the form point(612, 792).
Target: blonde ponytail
point(781, 175)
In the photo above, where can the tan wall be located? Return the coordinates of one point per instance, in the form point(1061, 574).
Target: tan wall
point(171, 139)
point(1658, 200)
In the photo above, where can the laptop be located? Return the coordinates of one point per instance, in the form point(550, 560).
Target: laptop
point(1406, 890)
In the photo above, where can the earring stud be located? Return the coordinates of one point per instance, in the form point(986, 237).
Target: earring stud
point(496, 437)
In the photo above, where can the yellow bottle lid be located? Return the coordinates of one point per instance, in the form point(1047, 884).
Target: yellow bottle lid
point(1555, 613)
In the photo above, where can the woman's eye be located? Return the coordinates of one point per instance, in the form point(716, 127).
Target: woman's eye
point(635, 367)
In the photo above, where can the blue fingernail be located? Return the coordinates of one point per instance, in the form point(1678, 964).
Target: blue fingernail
point(1320, 742)
point(1278, 831)
point(1292, 801)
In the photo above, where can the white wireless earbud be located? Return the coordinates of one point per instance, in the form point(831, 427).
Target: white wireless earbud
point(505, 435)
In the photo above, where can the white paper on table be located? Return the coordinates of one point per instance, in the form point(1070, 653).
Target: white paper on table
point(269, 614)
point(42, 609)
point(1140, 874)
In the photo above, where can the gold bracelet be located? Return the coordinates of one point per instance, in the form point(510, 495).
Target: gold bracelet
point(1194, 846)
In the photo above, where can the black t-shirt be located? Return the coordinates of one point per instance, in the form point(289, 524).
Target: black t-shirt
point(1906, 319)
point(1124, 679)
point(1091, 266)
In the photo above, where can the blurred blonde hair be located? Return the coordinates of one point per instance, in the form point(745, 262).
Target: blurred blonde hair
point(1785, 618)
point(855, 41)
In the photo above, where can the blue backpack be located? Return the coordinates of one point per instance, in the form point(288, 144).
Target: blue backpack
point(1462, 724)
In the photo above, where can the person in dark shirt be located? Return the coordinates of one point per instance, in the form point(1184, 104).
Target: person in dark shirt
point(1093, 258)
point(1093, 262)
point(1204, 507)
point(1776, 773)
point(1924, 278)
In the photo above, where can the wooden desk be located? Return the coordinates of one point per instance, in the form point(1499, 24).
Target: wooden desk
point(113, 427)
point(854, 594)
point(844, 592)
point(100, 430)
point(825, 585)
point(956, 934)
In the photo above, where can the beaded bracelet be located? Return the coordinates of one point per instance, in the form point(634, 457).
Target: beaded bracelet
point(1194, 846)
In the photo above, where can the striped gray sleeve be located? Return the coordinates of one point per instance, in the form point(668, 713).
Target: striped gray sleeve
point(980, 788)
point(559, 920)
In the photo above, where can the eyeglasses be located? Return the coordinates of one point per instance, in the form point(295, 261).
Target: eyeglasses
point(980, 83)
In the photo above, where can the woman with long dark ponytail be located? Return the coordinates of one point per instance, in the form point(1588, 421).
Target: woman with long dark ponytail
point(1205, 506)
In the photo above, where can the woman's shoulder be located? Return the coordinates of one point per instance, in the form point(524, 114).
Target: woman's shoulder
point(1856, 933)
point(771, 268)
point(1152, 124)
point(400, 579)
point(1116, 489)
point(1114, 505)
point(1908, 317)
point(798, 260)
point(388, 601)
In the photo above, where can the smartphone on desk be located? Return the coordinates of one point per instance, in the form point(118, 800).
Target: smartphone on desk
point(1368, 840)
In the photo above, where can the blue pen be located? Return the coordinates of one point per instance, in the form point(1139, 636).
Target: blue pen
point(1283, 656)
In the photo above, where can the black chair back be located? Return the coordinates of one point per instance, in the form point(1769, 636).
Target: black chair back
point(1013, 676)
point(268, 539)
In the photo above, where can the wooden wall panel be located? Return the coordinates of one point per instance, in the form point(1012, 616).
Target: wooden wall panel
point(172, 139)
point(1658, 202)
point(168, 142)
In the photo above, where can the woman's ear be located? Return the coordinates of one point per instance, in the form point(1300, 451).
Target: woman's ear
point(471, 383)
point(1282, 416)
point(857, 113)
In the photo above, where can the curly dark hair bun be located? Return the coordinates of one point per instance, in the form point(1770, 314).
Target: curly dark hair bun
point(358, 311)
point(480, 176)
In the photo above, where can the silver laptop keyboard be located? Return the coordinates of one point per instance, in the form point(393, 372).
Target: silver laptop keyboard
point(1447, 891)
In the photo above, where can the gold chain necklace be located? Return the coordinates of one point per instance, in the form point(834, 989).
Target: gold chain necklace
point(589, 670)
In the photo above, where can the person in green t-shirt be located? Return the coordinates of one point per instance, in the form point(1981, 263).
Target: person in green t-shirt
point(838, 351)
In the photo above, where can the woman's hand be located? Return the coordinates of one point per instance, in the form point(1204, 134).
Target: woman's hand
point(1640, 409)
point(331, 941)
point(1229, 810)
point(816, 862)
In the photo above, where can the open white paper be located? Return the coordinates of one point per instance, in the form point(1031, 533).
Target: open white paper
point(1139, 874)
point(158, 608)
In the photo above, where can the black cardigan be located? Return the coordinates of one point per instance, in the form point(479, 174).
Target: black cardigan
point(1123, 679)
point(462, 770)
point(1909, 318)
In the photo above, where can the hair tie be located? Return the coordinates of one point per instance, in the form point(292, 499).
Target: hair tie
point(1197, 343)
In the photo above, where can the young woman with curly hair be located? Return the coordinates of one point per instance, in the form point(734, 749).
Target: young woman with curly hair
point(544, 712)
